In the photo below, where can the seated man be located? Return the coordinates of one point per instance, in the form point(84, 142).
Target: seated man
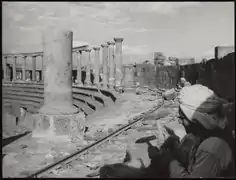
point(211, 154)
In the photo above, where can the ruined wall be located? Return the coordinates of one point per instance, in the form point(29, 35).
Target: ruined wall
point(128, 71)
point(221, 51)
point(217, 74)
point(144, 74)
point(167, 76)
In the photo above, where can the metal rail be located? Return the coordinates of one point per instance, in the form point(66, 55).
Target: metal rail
point(99, 142)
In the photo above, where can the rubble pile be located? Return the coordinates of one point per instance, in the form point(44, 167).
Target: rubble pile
point(147, 93)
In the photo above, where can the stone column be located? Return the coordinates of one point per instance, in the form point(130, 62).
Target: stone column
point(14, 67)
point(104, 64)
point(79, 61)
point(97, 65)
point(88, 69)
point(118, 62)
point(4, 66)
point(57, 73)
point(42, 70)
point(24, 68)
point(111, 65)
point(58, 120)
point(33, 68)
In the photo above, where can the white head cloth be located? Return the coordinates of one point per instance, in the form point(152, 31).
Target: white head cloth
point(201, 104)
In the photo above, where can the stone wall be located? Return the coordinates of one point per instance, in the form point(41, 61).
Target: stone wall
point(217, 74)
point(144, 74)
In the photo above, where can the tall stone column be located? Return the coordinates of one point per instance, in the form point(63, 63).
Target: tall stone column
point(111, 65)
point(4, 66)
point(97, 65)
point(58, 71)
point(88, 69)
point(34, 68)
point(57, 117)
point(14, 67)
point(104, 64)
point(79, 61)
point(42, 70)
point(118, 62)
point(24, 68)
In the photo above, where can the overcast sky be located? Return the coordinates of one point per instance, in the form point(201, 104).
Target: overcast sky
point(181, 29)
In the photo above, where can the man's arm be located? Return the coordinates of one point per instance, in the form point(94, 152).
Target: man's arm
point(206, 165)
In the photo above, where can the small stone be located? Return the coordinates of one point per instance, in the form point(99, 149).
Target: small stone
point(169, 94)
point(23, 146)
point(49, 156)
point(178, 129)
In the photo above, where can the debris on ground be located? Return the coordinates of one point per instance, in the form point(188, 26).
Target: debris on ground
point(113, 151)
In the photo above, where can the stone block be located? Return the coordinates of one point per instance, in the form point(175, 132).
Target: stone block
point(61, 125)
point(66, 126)
point(169, 94)
point(177, 128)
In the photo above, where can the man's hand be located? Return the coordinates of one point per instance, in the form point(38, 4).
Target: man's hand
point(171, 143)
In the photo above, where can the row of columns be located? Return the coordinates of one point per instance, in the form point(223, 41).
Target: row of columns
point(111, 65)
point(5, 75)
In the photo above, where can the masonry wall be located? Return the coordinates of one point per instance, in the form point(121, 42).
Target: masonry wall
point(167, 76)
point(217, 74)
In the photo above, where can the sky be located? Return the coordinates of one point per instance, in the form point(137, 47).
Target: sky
point(180, 29)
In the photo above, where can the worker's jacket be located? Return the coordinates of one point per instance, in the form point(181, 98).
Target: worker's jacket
point(212, 158)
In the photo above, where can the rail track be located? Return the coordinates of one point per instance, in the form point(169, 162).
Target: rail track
point(86, 150)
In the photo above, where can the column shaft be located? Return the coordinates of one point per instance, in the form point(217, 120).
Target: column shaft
point(24, 68)
point(105, 64)
point(4, 66)
point(42, 70)
point(79, 61)
point(97, 65)
point(57, 60)
point(111, 65)
point(33, 68)
point(88, 69)
point(14, 67)
point(118, 61)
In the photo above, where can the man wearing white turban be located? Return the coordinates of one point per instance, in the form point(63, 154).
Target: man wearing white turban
point(211, 153)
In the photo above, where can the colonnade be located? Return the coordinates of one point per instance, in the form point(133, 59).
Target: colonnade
point(111, 64)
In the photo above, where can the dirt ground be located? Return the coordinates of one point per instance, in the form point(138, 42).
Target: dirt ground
point(27, 155)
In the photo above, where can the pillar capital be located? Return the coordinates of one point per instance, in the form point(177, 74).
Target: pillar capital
point(111, 43)
point(104, 45)
point(78, 51)
point(118, 39)
point(96, 48)
point(88, 50)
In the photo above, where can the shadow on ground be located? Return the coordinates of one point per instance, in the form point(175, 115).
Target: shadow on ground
point(159, 166)
point(11, 139)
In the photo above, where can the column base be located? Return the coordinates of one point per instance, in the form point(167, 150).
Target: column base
point(58, 109)
point(88, 83)
point(111, 83)
point(79, 83)
point(58, 127)
point(105, 86)
point(111, 86)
